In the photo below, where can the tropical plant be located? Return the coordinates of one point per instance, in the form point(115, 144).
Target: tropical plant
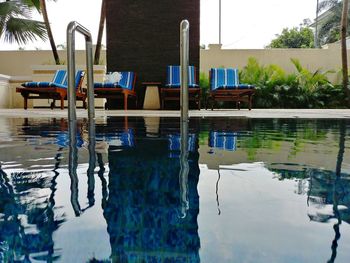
point(310, 81)
point(40, 6)
point(100, 33)
point(204, 84)
point(301, 37)
point(303, 89)
point(16, 24)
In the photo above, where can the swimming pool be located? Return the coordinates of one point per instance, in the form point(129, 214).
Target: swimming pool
point(257, 190)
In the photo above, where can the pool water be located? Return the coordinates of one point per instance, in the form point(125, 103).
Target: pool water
point(247, 190)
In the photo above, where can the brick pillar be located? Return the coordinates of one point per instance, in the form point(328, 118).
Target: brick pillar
point(143, 36)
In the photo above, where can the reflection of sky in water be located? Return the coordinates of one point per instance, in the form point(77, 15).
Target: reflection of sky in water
point(261, 220)
point(261, 209)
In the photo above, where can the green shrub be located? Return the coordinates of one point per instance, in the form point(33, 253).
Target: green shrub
point(204, 84)
point(303, 89)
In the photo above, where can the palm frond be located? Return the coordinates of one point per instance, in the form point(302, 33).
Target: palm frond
point(32, 3)
point(24, 30)
point(297, 64)
point(326, 4)
point(14, 8)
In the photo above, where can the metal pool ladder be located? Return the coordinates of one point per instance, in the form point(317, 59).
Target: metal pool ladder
point(71, 28)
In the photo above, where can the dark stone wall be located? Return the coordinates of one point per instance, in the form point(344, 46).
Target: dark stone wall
point(143, 36)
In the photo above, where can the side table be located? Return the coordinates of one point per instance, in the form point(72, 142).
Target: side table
point(152, 95)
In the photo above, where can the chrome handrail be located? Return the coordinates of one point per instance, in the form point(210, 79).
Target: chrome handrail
point(72, 115)
point(71, 29)
point(184, 166)
point(184, 57)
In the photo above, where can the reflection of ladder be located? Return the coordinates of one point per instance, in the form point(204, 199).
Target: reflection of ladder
point(72, 115)
point(217, 192)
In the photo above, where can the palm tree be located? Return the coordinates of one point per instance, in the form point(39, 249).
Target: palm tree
point(40, 6)
point(344, 57)
point(340, 12)
point(100, 33)
point(16, 24)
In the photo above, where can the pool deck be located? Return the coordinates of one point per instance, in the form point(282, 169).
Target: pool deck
point(255, 113)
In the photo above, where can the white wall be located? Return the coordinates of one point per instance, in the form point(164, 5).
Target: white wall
point(19, 64)
point(312, 59)
point(4, 91)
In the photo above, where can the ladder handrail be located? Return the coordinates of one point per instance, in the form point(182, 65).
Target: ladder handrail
point(71, 29)
point(184, 57)
point(184, 166)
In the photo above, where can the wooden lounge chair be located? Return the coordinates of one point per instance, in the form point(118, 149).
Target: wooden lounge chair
point(225, 86)
point(124, 88)
point(56, 89)
point(171, 91)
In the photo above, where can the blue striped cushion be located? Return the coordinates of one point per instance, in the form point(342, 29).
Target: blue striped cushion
point(126, 82)
point(78, 76)
point(226, 78)
point(60, 77)
point(106, 85)
point(173, 77)
point(223, 140)
point(43, 84)
point(246, 86)
point(58, 80)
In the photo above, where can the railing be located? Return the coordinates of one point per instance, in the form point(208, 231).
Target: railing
point(184, 166)
point(184, 57)
point(72, 27)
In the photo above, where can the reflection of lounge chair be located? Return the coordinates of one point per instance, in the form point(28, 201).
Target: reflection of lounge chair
point(124, 87)
point(119, 139)
point(171, 91)
point(175, 144)
point(225, 86)
point(223, 140)
point(56, 89)
point(52, 133)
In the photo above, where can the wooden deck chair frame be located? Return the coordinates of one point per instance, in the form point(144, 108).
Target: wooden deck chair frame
point(236, 95)
point(54, 93)
point(173, 94)
point(117, 92)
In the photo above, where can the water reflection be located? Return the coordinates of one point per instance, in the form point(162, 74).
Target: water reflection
point(28, 219)
point(326, 188)
point(147, 221)
point(149, 199)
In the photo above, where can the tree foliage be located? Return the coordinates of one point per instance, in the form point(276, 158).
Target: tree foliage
point(301, 37)
point(16, 24)
point(40, 6)
point(329, 28)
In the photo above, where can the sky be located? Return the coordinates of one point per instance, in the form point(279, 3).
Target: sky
point(246, 24)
